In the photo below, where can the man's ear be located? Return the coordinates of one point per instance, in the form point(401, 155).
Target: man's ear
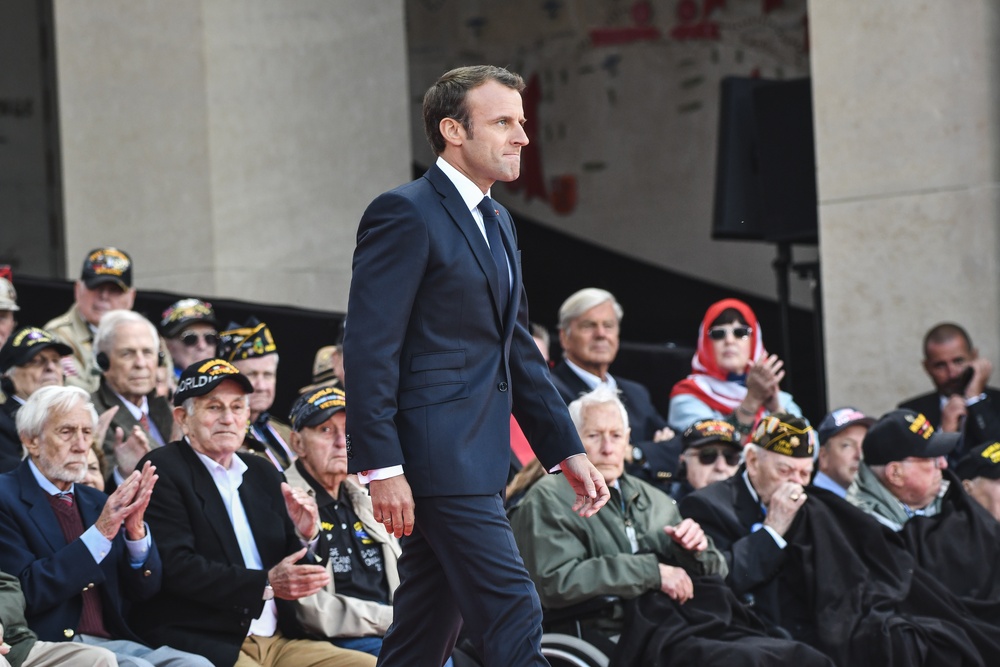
point(180, 416)
point(452, 131)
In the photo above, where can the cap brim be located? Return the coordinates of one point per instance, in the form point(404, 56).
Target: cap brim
point(62, 349)
point(710, 440)
point(941, 444)
point(97, 281)
point(320, 417)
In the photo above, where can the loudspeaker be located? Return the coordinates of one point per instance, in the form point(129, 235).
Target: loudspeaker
point(765, 175)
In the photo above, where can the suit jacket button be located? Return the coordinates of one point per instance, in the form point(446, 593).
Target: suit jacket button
point(146, 573)
point(502, 386)
point(68, 633)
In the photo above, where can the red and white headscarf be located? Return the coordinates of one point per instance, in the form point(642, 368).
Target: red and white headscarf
point(709, 383)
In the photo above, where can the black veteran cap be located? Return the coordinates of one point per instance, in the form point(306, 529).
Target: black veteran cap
point(315, 408)
point(107, 265)
point(184, 313)
point(708, 431)
point(785, 434)
point(981, 461)
point(838, 420)
point(900, 434)
point(253, 339)
point(25, 343)
point(202, 377)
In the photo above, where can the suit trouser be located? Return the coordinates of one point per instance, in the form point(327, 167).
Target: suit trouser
point(279, 651)
point(461, 564)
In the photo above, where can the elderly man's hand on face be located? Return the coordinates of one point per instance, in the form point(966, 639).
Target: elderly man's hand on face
point(128, 504)
point(784, 505)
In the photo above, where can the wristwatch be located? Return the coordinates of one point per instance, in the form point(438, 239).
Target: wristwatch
point(268, 592)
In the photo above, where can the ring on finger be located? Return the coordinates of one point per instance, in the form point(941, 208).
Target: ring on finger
point(795, 496)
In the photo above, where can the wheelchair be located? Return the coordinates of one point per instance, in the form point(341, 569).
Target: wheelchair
point(567, 640)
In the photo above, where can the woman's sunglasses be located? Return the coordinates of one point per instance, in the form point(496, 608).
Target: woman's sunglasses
point(719, 333)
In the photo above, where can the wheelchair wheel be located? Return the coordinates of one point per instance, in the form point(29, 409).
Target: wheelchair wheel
point(568, 651)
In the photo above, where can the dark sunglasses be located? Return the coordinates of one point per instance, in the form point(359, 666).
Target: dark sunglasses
point(719, 333)
point(707, 457)
point(190, 339)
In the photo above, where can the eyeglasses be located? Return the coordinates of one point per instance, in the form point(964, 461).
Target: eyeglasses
point(719, 333)
point(708, 457)
point(190, 338)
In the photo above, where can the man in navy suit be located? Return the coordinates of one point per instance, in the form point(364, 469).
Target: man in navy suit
point(81, 556)
point(437, 354)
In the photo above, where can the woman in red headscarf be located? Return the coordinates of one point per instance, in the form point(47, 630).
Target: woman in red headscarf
point(732, 376)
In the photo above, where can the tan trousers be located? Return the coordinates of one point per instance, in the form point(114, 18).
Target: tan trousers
point(67, 654)
point(277, 651)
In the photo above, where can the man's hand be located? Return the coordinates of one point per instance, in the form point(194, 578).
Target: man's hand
point(784, 505)
point(665, 433)
point(688, 534)
point(589, 485)
point(128, 503)
point(130, 451)
point(302, 510)
point(953, 413)
point(981, 371)
point(392, 502)
point(4, 646)
point(103, 422)
point(292, 582)
point(676, 583)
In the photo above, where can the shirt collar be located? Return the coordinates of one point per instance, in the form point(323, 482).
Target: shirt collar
point(467, 190)
point(47, 486)
point(589, 378)
point(236, 466)
point(137, 411)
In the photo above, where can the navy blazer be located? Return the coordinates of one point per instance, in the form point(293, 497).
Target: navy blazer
point(209, 596)
point(53, 573)
point(433, 366)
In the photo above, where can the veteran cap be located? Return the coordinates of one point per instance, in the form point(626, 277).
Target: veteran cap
point(203, 376)
point(707, 431)
point(107, 265)
point(840, 419)
point(253, 339)
point(8, 296)
point(900, 434)
point(785, 434)
point(315, 408)
point(184, 313)
point(981, 461)
point(25, 343)
point(323, 374)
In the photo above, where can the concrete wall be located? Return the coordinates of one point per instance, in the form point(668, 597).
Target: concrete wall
point(908, 151)
point(230, 145)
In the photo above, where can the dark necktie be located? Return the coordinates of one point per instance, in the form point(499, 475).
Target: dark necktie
point(491, 221)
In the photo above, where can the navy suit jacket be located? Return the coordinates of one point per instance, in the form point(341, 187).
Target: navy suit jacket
point(433, 366)
point(53, 573)
point(209, 596)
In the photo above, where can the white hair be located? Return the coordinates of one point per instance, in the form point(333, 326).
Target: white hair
point(603, 395)
point(104, 339)
point(45, 402)
point(583, 300)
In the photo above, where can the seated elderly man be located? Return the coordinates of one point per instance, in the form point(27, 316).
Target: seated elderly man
point(81, 556)
point(979, 471)
point(8, 306)
point(29, 360)
point(127, 351)
point(840, 435)
point(105, 284)
point(712, 451)
point(190, 331)
point(19, 646)
point(637, 545)
point(251, 349)
point(748, 515)
point(901, 474)
point(354, 610)
point(238, 544)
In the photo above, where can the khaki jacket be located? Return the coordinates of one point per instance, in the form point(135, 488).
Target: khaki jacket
point(81, 369)
point(327, 614)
